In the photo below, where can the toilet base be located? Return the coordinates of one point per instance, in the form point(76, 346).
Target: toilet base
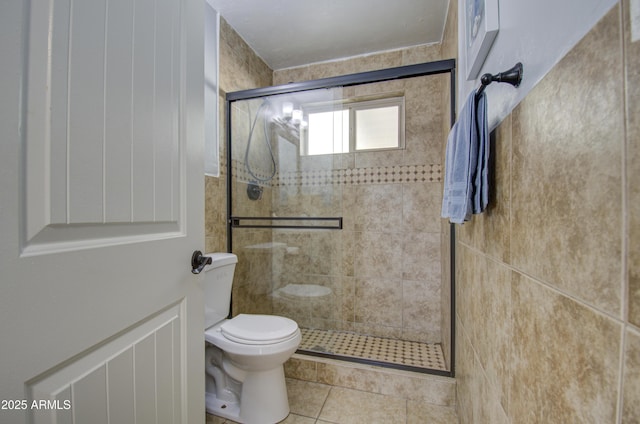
point(230, 410)
point(263, 401)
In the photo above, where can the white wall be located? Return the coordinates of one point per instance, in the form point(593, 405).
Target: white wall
point(538, 34)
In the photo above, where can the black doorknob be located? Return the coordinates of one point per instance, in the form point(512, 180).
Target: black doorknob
point(199, 261)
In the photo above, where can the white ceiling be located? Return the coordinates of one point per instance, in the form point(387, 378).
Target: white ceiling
point(289, 33)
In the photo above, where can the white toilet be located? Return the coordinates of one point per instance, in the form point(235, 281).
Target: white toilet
point(244, 355)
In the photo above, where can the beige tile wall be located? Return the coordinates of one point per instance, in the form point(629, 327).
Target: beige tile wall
point(372, 62)
point(240, 69)
point(548, 310)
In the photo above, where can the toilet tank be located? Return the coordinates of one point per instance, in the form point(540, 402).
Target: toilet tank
point(218, 278)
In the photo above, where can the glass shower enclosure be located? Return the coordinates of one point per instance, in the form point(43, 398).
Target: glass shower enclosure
point(334, 190)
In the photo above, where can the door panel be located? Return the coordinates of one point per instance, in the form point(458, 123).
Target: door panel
point(134, 376)
point(97, 165)
point(101, 206)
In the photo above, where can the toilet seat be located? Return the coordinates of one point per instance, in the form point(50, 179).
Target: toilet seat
point(259, 329)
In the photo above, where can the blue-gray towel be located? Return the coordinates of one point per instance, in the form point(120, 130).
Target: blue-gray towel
point(466, 164)
point(481, 184)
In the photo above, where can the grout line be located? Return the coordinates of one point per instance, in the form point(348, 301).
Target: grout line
point(324, 402)
point(546, 284)
point(624, 295)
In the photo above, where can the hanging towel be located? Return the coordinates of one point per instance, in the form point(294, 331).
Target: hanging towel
point(462, 152)
point(481, 184)
point(466, 163)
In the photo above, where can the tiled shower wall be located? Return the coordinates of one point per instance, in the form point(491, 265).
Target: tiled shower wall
point(384, 267)
point(240, 69)
point(548, 311)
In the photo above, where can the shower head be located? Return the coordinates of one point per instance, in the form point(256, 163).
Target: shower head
point(287, 130)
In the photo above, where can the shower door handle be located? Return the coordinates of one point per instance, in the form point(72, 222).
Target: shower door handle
point(294, 222)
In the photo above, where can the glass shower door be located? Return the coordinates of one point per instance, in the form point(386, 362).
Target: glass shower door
point(286, 210)
point(334, 212)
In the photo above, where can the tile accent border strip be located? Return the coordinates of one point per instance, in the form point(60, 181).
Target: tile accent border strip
point(396, 174)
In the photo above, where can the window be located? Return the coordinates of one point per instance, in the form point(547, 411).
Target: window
point(327, 132)
point(352, 126)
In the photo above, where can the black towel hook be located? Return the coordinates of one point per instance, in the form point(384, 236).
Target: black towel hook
point(512, 76)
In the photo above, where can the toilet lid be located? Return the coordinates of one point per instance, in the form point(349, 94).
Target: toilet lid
point(258, 329)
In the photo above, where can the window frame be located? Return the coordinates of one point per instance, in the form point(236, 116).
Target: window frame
point(353, 106)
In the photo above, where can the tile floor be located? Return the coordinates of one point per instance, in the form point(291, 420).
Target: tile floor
point(315, 403)
point(416, 354)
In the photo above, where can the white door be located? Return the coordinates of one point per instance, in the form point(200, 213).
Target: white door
point(101, 207)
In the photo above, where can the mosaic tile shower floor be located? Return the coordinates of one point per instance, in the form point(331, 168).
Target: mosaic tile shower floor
point(414, 354)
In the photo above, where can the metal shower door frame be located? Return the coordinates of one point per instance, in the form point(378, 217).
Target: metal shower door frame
point(388, 74)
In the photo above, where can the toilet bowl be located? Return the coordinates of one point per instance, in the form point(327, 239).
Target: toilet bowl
point(245, 354)
point(248, 348)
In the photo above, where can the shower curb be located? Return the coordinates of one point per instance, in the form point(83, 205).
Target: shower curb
point(433, 389)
